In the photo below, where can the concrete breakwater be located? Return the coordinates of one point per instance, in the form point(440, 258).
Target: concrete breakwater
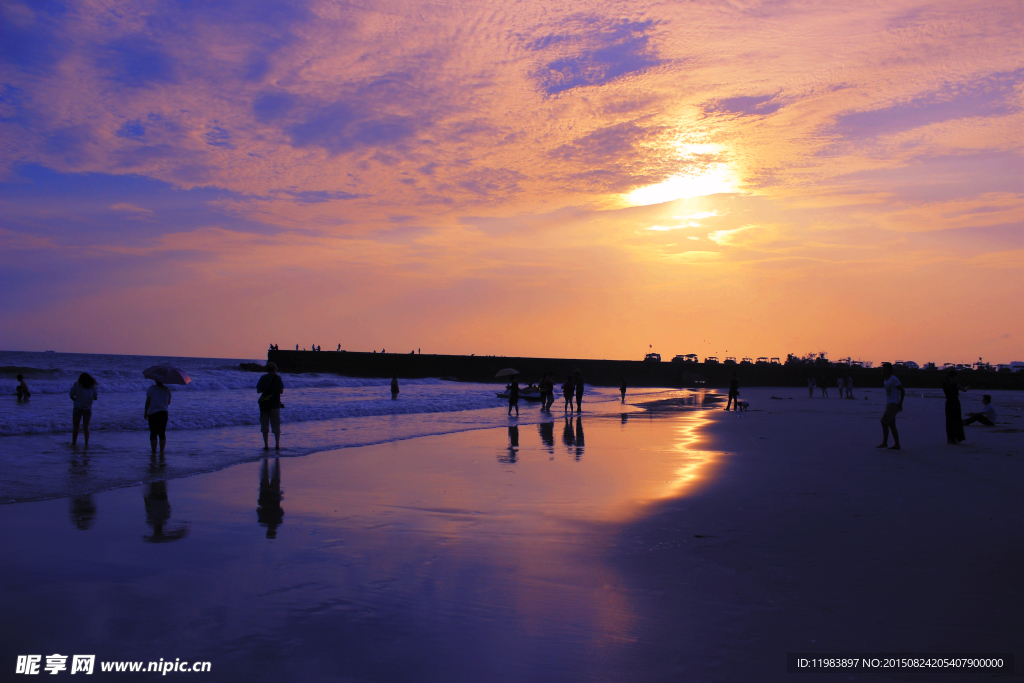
point(611, 372)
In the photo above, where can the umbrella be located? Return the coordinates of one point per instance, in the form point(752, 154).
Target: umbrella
point(166, 374)
point(507, 372)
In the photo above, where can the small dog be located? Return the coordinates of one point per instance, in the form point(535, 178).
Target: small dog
point(743, 405)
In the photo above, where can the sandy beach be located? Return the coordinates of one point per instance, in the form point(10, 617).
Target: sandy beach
point(660, 545)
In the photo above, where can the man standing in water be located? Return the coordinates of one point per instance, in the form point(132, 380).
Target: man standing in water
point(579, 393)
point(270, 387)
point(894, 395)
point(394, 387)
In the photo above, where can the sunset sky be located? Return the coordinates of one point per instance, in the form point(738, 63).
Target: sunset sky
point(578, 179)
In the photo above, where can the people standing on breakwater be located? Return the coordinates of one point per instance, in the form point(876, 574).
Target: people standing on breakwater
point(22, 391)
point(513, 396)
point(394, 387)
point(579, 392)
point(568, 389)
point(734, 394)
point(622, 389)
point(985, 416)
point(83, 393)
point(954, 420)
point(270, 387)
point(158, 401)
point(339, 347)
point(296, 347)
point(810, 387)
point(894, 395)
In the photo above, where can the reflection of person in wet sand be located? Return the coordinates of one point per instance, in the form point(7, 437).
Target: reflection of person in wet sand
point(568, 436)
point(579, 436)
point(269, 512)
point(547, 434)
point(158, 511)
point(83, 511)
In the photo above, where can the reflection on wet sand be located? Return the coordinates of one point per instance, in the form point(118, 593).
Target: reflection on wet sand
point(158, 512)
point(512, 453)
point(547, 435)
point(269, 512)
point(82, 510)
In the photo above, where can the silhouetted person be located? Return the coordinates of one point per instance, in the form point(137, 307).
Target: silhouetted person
point(985, 416)
point(269, 512)
point(22, 391)
point(824, 387)
point(270, 388)
point(810, 387)
point(547, 433)
point(734, 394)
point(339, 347)
point(513, 396)
point(579, 393)
point(894, 395)
point(158, 511)
point(568, 389)
point(83, 393)
point(622, 389)
point(296, 347)
point(954, 420)
point(579, 436)
point(82, 511)
point(158, 401)
point(849, 386)
point(394, 387)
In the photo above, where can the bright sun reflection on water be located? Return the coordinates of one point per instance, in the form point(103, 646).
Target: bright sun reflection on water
point(714, 179)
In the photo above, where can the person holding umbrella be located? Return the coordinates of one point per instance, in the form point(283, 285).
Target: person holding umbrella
point(158, 401)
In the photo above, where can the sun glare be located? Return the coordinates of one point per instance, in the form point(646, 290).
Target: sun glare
point(715, 179)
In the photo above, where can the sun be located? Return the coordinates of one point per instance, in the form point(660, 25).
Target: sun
point(714, 179)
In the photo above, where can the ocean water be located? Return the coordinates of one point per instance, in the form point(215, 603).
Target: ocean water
point(214, 419)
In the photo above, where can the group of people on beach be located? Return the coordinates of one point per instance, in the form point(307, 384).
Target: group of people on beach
point(844, 384)
point(573, 387)
point(895, 395)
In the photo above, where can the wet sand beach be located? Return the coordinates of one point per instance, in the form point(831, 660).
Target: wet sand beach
point(649, 546)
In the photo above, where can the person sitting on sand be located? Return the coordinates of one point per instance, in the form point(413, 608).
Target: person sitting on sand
point(83, 393)
point(894, 395)
point(985, 416)
point(270, 387)
point(22, 391)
